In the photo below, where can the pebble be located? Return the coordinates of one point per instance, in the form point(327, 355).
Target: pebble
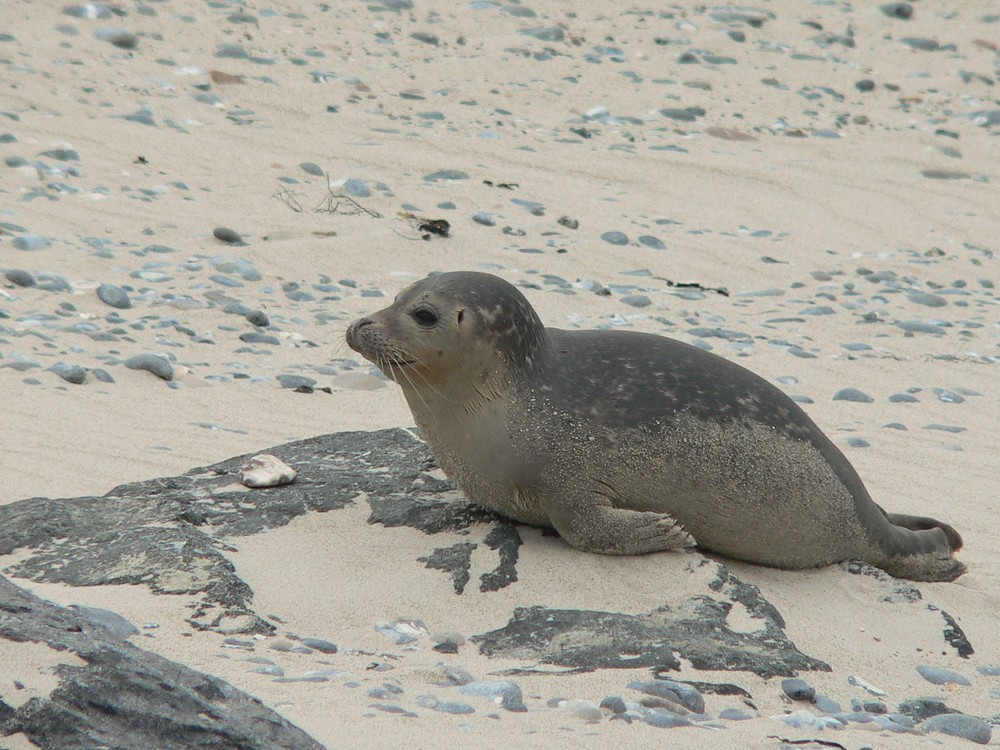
point(323, 646)
point(266, 470)
point(941, 676)
point(403, 631)
point(7, 545)
point(968, 727)
point(615, 238)
point(111, 294)
point(31, 242)
point(154, 363)
point(798, 689)
point(296, 381)
point(853, 394)
point(118, 37)
point(926, 299)
point(660, 717)
point(70, 373)
point(636, 300)
point(614, 704)
point(505, 694)
point(676, 692)
point(227, 235)
point(20, 278)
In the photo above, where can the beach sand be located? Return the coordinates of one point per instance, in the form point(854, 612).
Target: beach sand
point(855, 233)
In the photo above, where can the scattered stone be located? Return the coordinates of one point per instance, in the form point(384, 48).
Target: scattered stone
point(615, 238)
point(111, 294)
point(968, 727)
point(941, 676)
point(154, 363)
point(31, 242)
point(505, 694)
point(853, 394)
point(798, 689)
point(265, 470)
point(70, 373)
point(20, 278)
point(227, 235)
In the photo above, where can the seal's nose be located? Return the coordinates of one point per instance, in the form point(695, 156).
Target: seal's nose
point(353, 331)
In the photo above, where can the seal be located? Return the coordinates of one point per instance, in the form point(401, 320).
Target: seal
point(628, 442)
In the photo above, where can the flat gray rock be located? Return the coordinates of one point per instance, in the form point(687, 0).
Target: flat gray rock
point(125, 697)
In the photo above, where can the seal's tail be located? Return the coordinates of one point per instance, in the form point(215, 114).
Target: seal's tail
point(923, 523)
point(925, 549)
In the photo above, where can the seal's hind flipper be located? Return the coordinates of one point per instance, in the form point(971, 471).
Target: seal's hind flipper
point(922, 523)
point(618, 531)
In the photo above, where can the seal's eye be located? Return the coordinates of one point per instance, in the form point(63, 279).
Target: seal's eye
point(425, 317)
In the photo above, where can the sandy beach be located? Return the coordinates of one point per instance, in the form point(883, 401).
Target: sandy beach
point(807, 189)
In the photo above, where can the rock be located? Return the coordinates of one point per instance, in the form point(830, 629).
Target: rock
point(505, 694)
point(122, 696)
point(20, 278)
point(31, 242)
point(111, 294)
point(154, 363)
point(798, 689)
point(968, 727)
point(853, 394)
point(227, 235)
point(70, 373)
point(941, 676)
point(265, 470)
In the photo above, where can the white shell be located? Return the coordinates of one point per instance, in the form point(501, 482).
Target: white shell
point(265, 470)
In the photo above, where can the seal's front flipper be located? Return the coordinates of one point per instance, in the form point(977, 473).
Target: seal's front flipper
point(617, 531)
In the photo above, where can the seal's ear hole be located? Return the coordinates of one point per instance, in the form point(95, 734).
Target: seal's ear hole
point(461, 314)
point(425, 317)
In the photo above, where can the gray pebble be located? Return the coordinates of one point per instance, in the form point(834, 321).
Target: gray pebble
point(614, 704)
point(103, 375)
point(948, 397)
point(230, 236)
point(921, 43)
point(111, 294)
point(21, 278)
point(545, 33)
point(70, 373)
point(569, 223)
point(676, 692)
point(734, 714)
point(31, 242)
point(446, 174)
point(252, 337)
point(895, 426)
point(659, 717)
point(826, 705)
point(798, 689)
point(296, 381)
point(865, 84)
point(309, 168)
point(7, 545)
point(453, 707)
point(927, 299)
point(507, 694)
point(853, 394)
point(903, 398)
point(941, 676)
point(989, 670)
point(154, 363)
point(222, 280)
point(357, 188)
point(954, 429)
point(968, 727)
point(650, 241)
point(856, 442)
point(637, 300)
point(615, 238)
point(272, 670)
point(919, 326)
point(320, 645)
point(897, 10)
point(118, 37)
point(484, 218)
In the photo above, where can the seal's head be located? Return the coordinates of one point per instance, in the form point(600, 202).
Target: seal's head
point(461, 336)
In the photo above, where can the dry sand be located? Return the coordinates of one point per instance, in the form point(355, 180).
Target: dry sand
point(350, 90)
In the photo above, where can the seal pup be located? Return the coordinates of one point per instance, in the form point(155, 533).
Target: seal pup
point(627, 442)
